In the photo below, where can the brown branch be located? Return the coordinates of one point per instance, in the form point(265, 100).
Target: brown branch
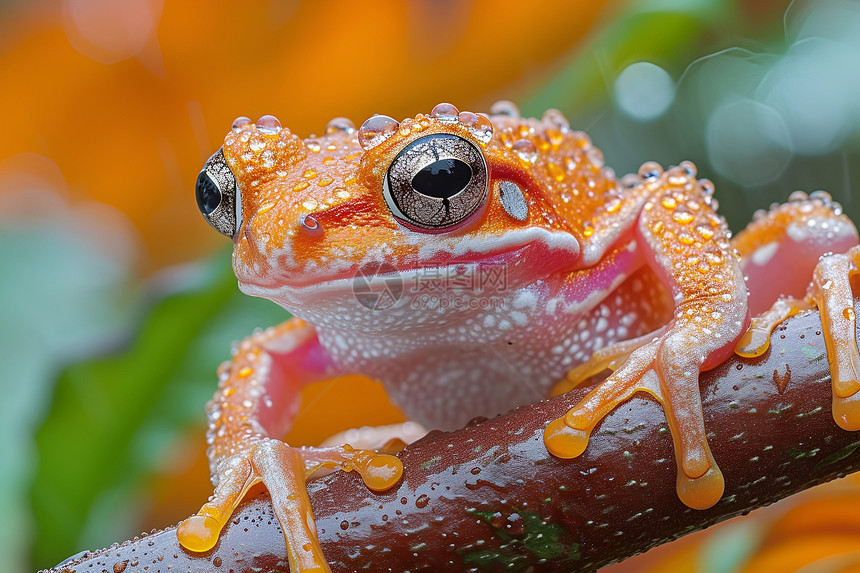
point(489, 495)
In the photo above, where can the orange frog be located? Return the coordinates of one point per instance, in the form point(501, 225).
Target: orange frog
point(470, 262)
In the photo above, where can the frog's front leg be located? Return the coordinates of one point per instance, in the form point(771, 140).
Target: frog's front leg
point(257, 398)
point(687, 246)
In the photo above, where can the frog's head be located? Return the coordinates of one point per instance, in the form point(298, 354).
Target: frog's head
point(433, 198)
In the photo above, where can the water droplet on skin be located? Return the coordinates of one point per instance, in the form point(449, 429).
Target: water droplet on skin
point(344, 525)
point(505, 107)
point(595, 156)
point(525, 150)
point(689, 167)
point(269, 124)
point(314, 146)
point(705, 232)
point(376, 130)
point(340, 125)
point(468, 118)
point(240, 122)
point(706, 186)
point(479, 124)
point(588, 229)
point(676, 176)
point(822, 196)
point(682, 216)
point(650, 171)
point(556, 119)
point(630, 180)
point(422, 501)
point(848, 313)
point(446, 113)
point(582, 139)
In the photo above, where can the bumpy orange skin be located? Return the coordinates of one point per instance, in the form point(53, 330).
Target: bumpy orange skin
point(641, 272)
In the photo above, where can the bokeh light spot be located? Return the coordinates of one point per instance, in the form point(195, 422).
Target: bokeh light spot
point(109, 31)
point(747, 142)
point(644, 91)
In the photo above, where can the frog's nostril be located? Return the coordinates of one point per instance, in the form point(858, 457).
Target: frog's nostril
point(310, 225)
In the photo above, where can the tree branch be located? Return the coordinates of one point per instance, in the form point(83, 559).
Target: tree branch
point(489, 496)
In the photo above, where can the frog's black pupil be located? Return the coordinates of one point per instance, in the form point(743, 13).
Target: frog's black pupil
point(442, 179)
point(208, 194)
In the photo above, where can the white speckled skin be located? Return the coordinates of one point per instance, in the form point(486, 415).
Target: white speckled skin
point(444, 366)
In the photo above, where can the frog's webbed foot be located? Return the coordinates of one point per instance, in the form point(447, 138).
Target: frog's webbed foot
point(667, 367)
point(608, 357)
point(283, 470)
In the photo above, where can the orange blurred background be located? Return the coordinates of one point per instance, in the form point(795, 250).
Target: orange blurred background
point(122, 102)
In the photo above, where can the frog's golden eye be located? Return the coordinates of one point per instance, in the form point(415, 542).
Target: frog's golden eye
point(436, 181)
point(217, 196)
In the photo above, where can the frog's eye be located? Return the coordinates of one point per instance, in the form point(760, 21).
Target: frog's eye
point(217, 198)
point(436, 181)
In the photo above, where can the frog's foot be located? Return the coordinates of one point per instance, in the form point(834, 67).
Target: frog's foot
point(756, 340)
point(283, 470)
point(668, 369)
point(831, 291)
point(608, 357)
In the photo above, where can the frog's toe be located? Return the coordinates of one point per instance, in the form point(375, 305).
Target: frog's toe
point(756, 340)
point(701, 492)
point(284, 471)
point(832, 292)
point(567, 437)
point(200, 532)
point(846, 412)
point(564, 442)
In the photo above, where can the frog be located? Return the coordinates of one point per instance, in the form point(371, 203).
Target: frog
point(473, 263)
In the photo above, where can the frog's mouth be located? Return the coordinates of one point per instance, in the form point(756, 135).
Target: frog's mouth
point(508, 261)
